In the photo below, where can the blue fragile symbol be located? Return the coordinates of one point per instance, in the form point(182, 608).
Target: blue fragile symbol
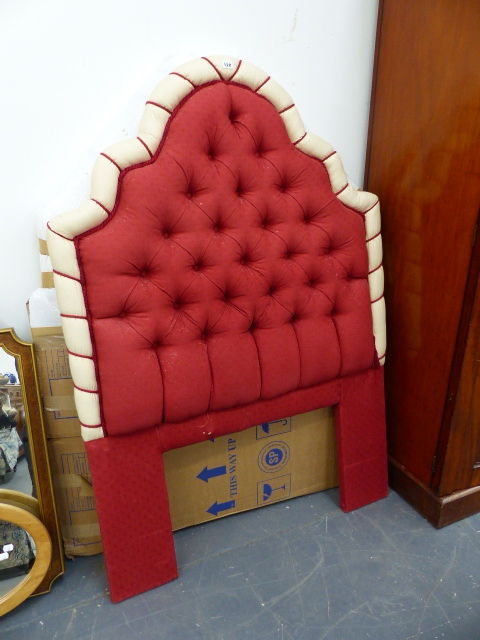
point(268, 490)
point(274, 489)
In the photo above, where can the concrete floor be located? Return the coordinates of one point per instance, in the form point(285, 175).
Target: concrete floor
point(296, 570)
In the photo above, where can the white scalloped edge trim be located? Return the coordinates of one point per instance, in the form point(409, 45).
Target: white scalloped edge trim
point(161, 103)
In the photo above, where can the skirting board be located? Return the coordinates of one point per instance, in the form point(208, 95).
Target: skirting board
point(439, 511)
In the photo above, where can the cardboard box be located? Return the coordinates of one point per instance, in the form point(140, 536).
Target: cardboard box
point(256, 467)
point(268, 463)
point(73, 490)
point(55, 382)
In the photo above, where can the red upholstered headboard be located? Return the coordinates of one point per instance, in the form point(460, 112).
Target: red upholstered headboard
point(227, 271)
point(224, 273)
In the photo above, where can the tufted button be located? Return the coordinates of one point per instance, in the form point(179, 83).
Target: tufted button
point(203, 336)
point(217, 228)
point(144, 273)
point(166, 235)
point(122, 314)
point(155, 344)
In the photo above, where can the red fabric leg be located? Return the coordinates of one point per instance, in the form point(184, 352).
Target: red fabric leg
point(361, 440)
point(132, 504)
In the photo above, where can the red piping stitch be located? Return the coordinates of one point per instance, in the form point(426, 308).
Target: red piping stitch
point(376, 268)
point(146, 146)
point(261, 85)
point(89, 318)
point(380, 357)
point(373, 237)
point(65, 275)
point(373, 301)
point(329, 156)
point(90, 426)
point(342, 189)
point(160, 106)
point(216, 70)
point(85, 390)
point(101, 205)
point(66, 315)
point(174, 73)
point(58, 234)
point(300, 139)
point(286, 108)
point(372, 207)
point(111, 160)
point(236, 70)
point(79, 355)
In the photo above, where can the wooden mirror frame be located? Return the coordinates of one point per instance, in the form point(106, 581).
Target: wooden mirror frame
point(47, 513)
point(43, 547)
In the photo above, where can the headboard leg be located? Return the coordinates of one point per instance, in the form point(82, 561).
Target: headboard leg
point(132, 503)
point(361, 440)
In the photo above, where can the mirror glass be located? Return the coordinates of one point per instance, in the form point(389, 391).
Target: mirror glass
point(17, 555)
point(15, 460)
point(25, 477)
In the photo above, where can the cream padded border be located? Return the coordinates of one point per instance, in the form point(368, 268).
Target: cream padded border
point(162, 101)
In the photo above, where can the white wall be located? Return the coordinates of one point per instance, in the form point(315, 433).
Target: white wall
point(69, 68)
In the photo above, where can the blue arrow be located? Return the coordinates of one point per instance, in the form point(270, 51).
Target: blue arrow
point(223, 506)
point(207, 473)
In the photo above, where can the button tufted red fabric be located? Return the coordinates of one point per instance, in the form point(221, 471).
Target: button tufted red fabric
point(223, 273)
point(226, 245)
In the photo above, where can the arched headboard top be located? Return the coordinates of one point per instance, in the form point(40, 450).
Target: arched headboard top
point(223, 258)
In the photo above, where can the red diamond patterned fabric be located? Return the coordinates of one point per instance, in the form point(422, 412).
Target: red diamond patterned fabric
point(228, 273)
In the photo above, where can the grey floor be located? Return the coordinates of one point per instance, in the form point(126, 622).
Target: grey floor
point(297, 570)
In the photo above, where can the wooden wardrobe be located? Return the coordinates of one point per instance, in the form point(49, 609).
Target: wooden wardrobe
point(423, 161)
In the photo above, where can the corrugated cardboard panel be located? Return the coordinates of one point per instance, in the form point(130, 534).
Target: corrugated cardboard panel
point(74, 497)
point(55, 381)
point(253, 468)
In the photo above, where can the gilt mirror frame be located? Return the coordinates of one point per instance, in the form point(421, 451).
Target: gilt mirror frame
point(27, 374)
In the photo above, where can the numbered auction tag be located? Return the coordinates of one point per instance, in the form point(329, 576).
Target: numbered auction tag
point(227, 65)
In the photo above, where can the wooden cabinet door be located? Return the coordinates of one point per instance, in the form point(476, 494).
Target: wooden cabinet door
point(424, 164)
